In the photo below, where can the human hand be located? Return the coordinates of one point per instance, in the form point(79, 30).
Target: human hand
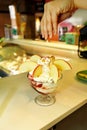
point(54, 12)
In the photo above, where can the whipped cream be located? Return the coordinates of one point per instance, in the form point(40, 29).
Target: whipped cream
point(45, 76)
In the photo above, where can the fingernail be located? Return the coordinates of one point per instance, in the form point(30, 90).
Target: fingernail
point(50, 35)
point(55, 31)
point(42, 36)
point(45, 37)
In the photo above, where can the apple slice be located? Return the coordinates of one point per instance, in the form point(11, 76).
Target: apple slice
point(35, 58)
point(27, 66)
point(62, 64)
point(54, 72)
point(37, 71)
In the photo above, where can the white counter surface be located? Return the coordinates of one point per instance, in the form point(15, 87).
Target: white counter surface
point(18, 111)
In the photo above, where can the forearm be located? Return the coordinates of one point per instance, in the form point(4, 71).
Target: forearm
point(81, 4)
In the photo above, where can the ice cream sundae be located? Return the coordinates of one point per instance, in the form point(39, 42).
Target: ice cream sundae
point(45, 72)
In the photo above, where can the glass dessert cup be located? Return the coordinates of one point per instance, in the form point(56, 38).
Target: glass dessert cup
point(46, 90)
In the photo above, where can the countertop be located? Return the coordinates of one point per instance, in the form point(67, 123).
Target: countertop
point(18, 110)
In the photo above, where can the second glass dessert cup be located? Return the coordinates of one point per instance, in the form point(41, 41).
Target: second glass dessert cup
point(45, 90)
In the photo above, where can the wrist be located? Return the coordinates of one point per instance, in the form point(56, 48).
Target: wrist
point(80, 4)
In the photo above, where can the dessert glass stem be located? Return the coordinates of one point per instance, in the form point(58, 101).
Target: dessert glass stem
point(45, 100)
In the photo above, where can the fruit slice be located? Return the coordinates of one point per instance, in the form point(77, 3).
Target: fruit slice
point(62, 64)
point(35, 58)
point(54, 72)
point(37, 71)
point(27, 66)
